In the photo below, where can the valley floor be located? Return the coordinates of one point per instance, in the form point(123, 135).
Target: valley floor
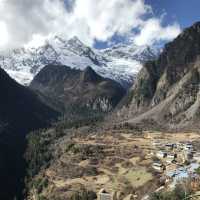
point(121, 163)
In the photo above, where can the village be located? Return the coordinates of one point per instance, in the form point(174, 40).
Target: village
point(124, 165)
point(174, 160)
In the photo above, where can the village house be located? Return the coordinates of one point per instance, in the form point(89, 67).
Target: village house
point(189, 146)
point(196, 157)
point(176, 162)
point(104, 195)
point(161, 154)
point(170, 158)
point(149, 155)
point(158, 166)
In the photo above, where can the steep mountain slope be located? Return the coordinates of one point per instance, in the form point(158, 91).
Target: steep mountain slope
point(78, 90)
point(120, 63)
point(20, 107)
point(167, 89)
point(20, 112)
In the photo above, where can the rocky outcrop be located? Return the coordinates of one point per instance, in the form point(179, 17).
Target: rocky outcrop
point(167, 89)
point(78, 89)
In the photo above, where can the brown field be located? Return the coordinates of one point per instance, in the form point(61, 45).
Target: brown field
point(114, 161)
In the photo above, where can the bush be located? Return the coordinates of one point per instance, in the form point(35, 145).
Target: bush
point(84, 195)
point(42, 198)
point(69, 146)
point(40, 183)
point(37, 154)
point(198, 170)
point(179, 193)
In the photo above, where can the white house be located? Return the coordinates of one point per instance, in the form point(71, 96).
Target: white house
point(158, 166)
point(196, 157)
point(161, 154)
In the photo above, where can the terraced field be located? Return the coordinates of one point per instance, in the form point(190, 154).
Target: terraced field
point(118, 161)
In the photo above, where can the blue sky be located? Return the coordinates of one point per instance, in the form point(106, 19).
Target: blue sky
point(185, 12)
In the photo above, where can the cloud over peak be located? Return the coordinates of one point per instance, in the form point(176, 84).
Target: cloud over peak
point(25, 21)
point(152, 31)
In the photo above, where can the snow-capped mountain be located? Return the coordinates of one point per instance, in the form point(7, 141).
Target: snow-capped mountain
point(120, 62)
point(131, 51)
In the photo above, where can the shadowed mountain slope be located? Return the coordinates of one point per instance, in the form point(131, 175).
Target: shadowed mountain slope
point(20, 112)
point(78, 89)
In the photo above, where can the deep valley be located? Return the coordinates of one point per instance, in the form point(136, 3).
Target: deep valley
point(120, 123)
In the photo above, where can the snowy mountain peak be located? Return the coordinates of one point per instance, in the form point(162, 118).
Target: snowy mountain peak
point(131, 51)
point(75, 41)
point(58, 39)
point(72, 44)
point(120, 62)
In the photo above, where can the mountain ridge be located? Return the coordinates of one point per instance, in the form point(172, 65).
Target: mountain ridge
point(23, 64)
point(21, 111)
point(72, 87)
point(167, 89)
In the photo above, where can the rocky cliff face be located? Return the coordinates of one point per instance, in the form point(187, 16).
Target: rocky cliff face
point(78, 89)
point(20, 108)
point(167, 89)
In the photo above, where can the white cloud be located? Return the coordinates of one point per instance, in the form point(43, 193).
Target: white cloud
point(104, 18)
point(3, 34)
point(152, 31)
point(31, 21)
point(26, 18)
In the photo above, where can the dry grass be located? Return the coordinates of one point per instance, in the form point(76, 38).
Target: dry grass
point(138, 177)
point(121, 164)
